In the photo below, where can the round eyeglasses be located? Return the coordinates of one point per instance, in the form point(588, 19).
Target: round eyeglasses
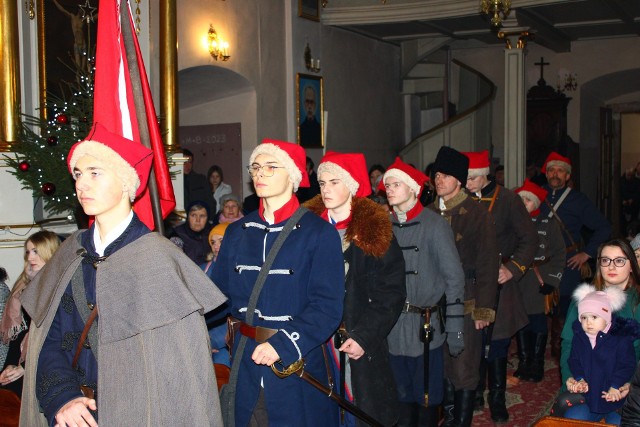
point(618, 262)
point(267, 170)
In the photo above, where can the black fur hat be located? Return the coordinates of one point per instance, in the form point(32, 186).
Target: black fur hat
point(452, 162)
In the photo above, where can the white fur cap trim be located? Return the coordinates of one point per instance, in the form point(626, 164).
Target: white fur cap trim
point(478, 172)
point(617, 297)
point(559, 163)
point(341, 173)
point(295, 175)
point(404, 177)
point(100, 151)
point(530, 196)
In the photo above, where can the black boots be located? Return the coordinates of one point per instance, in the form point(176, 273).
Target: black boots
point(478, 404)
point(463, 407)
point(448, 403)
point(525, 354)
point(458, 406)
point(536, 373)
point(497, 388)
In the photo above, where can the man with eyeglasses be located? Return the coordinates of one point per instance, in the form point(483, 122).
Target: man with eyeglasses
point(576, 214)
point(310, 130)
point(433, 270)
point(475, 236)
point(300, 304)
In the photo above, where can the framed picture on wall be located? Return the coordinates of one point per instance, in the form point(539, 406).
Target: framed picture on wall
point(309, 9)
point(309, 111)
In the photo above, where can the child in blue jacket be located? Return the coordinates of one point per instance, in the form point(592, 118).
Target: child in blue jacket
point(602, 356)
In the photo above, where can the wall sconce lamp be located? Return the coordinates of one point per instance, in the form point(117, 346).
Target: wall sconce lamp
point(218, 48)
point(498, 8)
point(568, 83)
point(312, 65)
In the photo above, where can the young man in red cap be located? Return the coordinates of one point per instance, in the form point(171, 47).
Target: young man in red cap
point(149, 338)
point(374, 284)
point(576, 214)
point(299, 306)
point(539, 281)
point(433, 271)
point(476, 243)
point(517, 242)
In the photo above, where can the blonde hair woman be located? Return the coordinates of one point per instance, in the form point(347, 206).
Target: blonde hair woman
point(38, 249)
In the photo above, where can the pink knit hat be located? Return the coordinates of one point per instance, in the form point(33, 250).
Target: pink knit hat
point(600, 303)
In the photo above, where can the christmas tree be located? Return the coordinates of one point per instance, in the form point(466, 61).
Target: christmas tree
point(40, 163)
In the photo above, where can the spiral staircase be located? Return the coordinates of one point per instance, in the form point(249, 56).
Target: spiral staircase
point(448, 103)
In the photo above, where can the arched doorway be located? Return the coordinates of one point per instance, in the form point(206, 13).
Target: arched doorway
point(218, 120)
point(602, 102)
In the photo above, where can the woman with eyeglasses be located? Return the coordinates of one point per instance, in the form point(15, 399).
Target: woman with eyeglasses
point(617, 266)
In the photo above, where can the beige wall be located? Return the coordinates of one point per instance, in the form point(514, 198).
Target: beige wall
point(267, 41)
point(630, 149)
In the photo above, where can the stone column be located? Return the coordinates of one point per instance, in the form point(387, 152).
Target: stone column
point(515, 113)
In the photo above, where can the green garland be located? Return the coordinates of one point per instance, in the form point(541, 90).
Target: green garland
point(40, 162)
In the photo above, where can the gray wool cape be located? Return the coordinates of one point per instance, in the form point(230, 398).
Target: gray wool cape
point(154, 354)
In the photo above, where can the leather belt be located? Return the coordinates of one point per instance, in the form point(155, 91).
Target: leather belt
point(257, 333)
point(410, 308)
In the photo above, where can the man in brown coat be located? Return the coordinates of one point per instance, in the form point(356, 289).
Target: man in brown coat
point(475, 237)
point(517, 243)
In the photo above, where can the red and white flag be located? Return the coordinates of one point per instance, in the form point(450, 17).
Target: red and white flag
point(113, 103)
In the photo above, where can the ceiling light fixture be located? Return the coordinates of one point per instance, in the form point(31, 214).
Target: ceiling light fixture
point(498, 8)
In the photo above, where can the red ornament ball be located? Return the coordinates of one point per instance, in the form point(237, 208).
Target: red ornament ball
point(52, 141)
point(24, 166)
point(48, 188)
point(62, 119)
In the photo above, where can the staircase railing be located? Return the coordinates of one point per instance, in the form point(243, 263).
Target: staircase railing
point(468, 130)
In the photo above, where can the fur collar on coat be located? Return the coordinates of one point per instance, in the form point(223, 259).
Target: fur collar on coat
point(370, 227)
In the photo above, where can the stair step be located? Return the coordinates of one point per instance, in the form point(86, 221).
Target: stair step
point(422, 86)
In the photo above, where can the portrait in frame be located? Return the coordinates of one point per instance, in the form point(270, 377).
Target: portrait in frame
point(309, 9)
point(309, 111)
point(66, 44)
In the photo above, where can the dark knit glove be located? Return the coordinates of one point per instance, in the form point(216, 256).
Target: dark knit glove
point(455, 341)
point(546, 289)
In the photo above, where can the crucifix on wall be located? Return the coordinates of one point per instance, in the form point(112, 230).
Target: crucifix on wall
point(541, 64)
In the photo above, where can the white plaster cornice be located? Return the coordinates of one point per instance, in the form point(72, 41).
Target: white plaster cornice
point(373, 12)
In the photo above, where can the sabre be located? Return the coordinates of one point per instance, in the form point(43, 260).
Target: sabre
point(298, 369)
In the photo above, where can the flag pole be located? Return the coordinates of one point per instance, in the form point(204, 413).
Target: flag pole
point(143, 125)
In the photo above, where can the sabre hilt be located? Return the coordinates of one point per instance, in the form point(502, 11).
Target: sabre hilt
point(294, 368)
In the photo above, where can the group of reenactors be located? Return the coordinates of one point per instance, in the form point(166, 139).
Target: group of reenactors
point(395, 311)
